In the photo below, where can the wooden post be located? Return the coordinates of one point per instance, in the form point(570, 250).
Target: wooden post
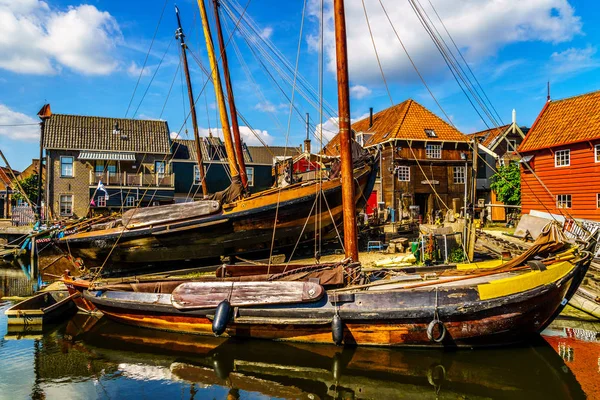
point(473, 199)
point(347, 170)
point(179, 34)
point(239, 152)
point(219, 94)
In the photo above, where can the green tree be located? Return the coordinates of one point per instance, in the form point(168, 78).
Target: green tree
point(29, 185)
point(507, 184)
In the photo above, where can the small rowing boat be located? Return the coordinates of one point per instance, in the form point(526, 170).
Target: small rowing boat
point(44, 308)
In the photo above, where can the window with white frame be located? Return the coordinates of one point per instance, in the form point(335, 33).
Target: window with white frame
point(130, 201)
point(597, 152)
point(562, 158)
point(403, 173)
point(160, 168)
point(101, 201)
point(250, 175)
point(512, 145)
point(501, 162)
point(433, 151)
point(459, 175)
point(66, 204)
point(430, 133)
point(66, 167)
point(563, 201)
point(196, 174)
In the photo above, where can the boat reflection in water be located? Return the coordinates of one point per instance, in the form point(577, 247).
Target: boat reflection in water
point(284, 370)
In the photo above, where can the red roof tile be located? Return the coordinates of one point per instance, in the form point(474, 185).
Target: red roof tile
point(407, 120)
point(570, 120)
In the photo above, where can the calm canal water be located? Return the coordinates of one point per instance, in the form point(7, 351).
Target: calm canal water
point(88, 358)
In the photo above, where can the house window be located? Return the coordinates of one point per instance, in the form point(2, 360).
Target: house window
point(597, 200)
point(597, 152)
point(430, 133)
point(197, 179)
point(562, 158)
point(101, 201)
point(250, 175)
point(563, 201)
point(66, 204)
point(403, 173)
point(433, 151)
point(66, 167)
point(501, 162)
point(512, 145)
point(459, 174)
point(159, 168)
point(130, 201)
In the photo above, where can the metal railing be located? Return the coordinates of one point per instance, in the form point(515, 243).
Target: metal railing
point(131, 179)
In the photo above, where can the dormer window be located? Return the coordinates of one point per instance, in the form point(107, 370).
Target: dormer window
point(430, 133)
point(116, 129)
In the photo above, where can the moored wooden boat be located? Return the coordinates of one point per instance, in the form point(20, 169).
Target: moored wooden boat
point(43, 308)
point(477, 309)
point(241, 227)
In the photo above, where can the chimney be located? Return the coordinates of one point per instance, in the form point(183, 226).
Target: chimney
point(307, 140)
point(370, 117)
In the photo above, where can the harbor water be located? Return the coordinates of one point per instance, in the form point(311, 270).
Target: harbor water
point(89, 357)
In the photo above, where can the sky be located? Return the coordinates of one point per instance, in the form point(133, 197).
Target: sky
point(120, 59)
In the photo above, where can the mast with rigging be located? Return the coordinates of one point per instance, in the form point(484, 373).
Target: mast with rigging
point(231, 157)
point(347, 169)
point(239, 152)
point(179, 35)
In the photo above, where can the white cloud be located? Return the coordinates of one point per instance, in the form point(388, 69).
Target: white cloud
point(266, 33)
point(135, 70)
point(175, 135)
point(359, 91)
point(248, 135)
point(479, 27)
point(573, 60)
point(35, 39)
point(25, 132)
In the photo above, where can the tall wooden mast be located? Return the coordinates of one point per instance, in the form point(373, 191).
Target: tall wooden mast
point(349, 206)
point(239, 152)
point(179, 35)
point(219, 93)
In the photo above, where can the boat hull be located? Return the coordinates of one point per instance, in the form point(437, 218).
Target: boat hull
point(44, 308)
point(386, 318)
point(245, 228)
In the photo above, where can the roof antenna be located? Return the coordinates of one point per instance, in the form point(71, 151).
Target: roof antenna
point(548, 98)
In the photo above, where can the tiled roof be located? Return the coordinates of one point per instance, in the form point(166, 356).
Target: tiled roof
point(487, 137)
point(77, 132)
point(407, 120)
point(571, 120)
point(264, 155)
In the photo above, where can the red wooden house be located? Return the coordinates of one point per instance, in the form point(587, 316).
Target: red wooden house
point(562, 150)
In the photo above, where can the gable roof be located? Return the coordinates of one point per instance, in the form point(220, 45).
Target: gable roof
point(488, 136)
point(78, 132)
point(6, 177)
point(571, 120)
point(264, 155)
point(405, 121)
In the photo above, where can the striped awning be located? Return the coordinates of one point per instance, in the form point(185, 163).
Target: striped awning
point(109, 156)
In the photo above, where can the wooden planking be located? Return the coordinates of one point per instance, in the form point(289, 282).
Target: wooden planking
point(194, 295)
point(580, 180)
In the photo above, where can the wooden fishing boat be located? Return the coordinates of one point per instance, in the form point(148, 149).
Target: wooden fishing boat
point(462, 309)
point(43, 308)
point(241, 227)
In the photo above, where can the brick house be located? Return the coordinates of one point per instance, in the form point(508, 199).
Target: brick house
point(421, 155)
point(562, 149)
point(259, 165)
point(129, 156)
point(6, 190)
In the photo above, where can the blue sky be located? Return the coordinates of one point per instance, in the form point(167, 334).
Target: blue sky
point(85, 58)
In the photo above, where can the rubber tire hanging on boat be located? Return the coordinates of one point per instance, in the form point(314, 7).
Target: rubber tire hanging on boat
point(436, 323)
point(222, 316)
point(337, 330)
